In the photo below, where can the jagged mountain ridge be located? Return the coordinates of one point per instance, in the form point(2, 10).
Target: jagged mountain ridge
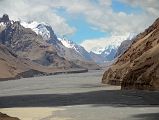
point(106, 55)
point(49, 36)
point(79, 50)
point(138, 67)
point(71, 50)
point(42, 29)
point(78, 54)
point(65, 48)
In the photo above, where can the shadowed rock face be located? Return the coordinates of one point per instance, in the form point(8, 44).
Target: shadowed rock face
point(5, 18)
point(138, 67)
point(123, 47)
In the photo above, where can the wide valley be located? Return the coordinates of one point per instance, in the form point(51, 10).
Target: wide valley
point(75, 97)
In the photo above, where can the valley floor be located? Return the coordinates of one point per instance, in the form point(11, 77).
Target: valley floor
point(75, 97)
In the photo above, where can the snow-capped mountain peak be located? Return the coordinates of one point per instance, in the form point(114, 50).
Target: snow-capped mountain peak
point(108, 49)
point(31, 25)
point(38, 28)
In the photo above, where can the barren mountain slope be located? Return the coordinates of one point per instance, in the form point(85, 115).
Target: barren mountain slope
point(13, 67)
point(10, 65)
point(138, 67)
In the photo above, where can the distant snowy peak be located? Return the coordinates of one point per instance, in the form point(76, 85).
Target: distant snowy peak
point(113, 43)
point(39, 28)
point(98, 50)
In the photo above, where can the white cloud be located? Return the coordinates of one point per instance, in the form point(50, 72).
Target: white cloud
point(150, 6)
point(102, 17)
point(105, 3)
point(98, 13)
point(38, 10)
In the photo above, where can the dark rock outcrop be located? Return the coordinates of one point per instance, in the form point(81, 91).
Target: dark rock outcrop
point(6, 117)
point(5, 18)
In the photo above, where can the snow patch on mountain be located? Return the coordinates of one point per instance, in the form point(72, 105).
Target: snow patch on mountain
point(2, 24)
point(79, 49)
point(69, 44)
point(98, 50)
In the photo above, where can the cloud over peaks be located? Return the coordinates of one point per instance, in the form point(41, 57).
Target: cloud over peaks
point(39, 10)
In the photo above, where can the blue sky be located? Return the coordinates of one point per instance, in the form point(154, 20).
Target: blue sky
point(123, 7)
point(83, 29)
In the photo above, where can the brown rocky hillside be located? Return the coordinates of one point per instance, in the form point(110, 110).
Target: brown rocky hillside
point(13, 67)
point(138, 67)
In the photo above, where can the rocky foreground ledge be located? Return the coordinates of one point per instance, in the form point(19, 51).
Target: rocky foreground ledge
point(6, 117)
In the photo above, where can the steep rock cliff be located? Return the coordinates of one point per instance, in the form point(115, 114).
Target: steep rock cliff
point(138, 67)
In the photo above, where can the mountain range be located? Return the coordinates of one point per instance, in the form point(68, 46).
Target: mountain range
point(71, 50)
point(37, 43)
